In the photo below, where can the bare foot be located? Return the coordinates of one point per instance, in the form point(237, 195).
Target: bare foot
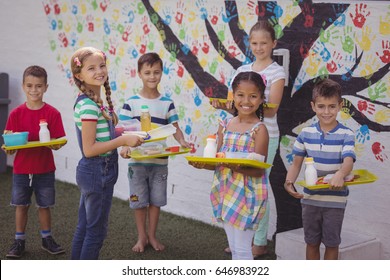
point(258, 251)
point(139, 247)
point(156, 244)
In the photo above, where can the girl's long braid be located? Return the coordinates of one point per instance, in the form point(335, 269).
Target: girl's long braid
point(109, 102)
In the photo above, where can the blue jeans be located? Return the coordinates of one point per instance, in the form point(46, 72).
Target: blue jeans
point(96, 178)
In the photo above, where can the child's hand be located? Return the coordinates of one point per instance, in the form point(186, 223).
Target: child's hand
point(125, 152)
point(132, 140)
point(55, 147)
point(184, 143)
point(337, 181)
point(228, 105)
point(8, 152)
point(289, 187)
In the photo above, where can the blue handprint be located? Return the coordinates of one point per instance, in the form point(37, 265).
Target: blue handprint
point(290, 157)
point(197, 99)
point(231, 12)
point(363, 134)
point(107, 28)
point(188, 127)
point(74, 9)
point(340, 16)
point(322, 51)
point(275, 9)
point(167, 68)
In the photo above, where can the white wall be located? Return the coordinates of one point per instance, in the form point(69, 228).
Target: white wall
point(24, 35)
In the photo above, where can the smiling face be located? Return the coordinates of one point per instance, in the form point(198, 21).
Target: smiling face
point(247, 98)
point(150, 75)
point(326, 110)
point(261, 44)
point(34, 88)
point(93, 72)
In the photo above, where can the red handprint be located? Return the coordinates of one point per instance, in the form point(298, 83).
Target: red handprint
point(359, 19)
point(385, 57)
point(179, 14)
point(335, 63)
point(57, 9)
point(47, 9)
point(260, 10)
point(379, 151)
point(308, 12)
point(205, 47)
point(103, 6)
point(63, 39)
point(365, 106)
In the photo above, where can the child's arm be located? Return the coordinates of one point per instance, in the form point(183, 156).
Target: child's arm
point(292, 175)
point(93, 148)
point(275, 97)
point(179, 137)
point(337, 180)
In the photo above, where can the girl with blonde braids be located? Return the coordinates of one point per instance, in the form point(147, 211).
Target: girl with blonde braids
point(97, 171)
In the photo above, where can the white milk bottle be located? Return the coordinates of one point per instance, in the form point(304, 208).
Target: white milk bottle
point(211, 147)
point(44, 133)
point(310, 172)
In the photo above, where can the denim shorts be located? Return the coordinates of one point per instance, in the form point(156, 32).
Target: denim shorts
point(148, 186)
point(42, 185)
point(322, 224)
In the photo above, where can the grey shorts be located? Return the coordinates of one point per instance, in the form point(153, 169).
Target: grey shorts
point(322, 224)
point(148, 186)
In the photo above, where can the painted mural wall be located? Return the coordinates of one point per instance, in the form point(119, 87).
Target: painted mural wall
point(202, 42)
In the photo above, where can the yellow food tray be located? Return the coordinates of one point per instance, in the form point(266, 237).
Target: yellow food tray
point(222, 100)
point(361, 176)
point(34, 144)
point(155, 139)
point(139, 156)
point(237, 161)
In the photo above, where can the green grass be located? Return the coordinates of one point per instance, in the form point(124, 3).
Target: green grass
point(185, 239)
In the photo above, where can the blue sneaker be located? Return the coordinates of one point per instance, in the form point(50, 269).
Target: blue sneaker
point(49, 245)
point(17, 249)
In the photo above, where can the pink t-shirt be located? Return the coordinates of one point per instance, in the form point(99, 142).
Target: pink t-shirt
point(40, 159)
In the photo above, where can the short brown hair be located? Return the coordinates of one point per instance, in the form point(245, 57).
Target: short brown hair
point(36, 71)
point(327, 88)
point(149, 59)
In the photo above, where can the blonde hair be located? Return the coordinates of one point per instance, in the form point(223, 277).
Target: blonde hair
point(76, 64)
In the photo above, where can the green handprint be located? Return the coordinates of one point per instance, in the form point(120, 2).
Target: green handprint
point(327, 34)
point(278, 28)
point(323, 72)
point(284, 141)
point(182, 33)
point(174, 51)
point(348, 43)
point(376, 93)
point(213, 67)
point(221, 34)
point(177, 88)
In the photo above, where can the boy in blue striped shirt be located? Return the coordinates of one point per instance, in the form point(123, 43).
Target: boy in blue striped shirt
point(332, 146)
point(148, 178)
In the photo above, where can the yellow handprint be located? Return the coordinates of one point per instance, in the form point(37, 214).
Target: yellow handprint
point(359, 149)
point(370, 66)
point(366, 39)
point(384, 25)
point(382, 116)
point(314, 63)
